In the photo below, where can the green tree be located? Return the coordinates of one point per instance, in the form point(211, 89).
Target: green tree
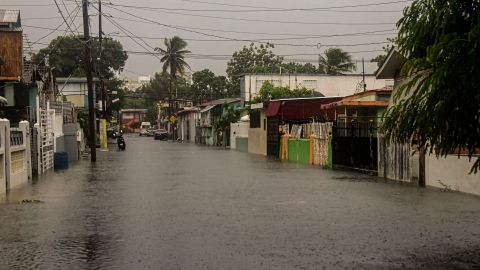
point(207, 86)
point(173, 59)
point(252, 59)
point(222, 124)
point(335, 61)
point(269, 91)
point(293, 67)
point(379, 59)
point(66, 55)
point(439, 103)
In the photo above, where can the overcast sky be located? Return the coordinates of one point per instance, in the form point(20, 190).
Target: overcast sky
point(192, 20)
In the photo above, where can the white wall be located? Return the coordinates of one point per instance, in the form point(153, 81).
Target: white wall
point(452, 172)
point(328, 85)
point(239, 129)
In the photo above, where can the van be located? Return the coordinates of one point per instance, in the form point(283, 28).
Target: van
point(144, 127)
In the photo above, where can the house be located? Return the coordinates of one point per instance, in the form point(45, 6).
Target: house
point(11, 49)
point(408, 163)
point(186, 120)
point(355, 121)
point(75, 90)
point(209, 113)
point(11, 67)
point(327, 85)
point(131, 120)
point(286, 112)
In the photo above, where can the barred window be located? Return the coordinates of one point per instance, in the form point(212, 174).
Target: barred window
point(310, 84)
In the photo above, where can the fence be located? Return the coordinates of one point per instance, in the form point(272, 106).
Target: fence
point(307, 143)
point(15, 159)
point(396, 161)
point(45, 140)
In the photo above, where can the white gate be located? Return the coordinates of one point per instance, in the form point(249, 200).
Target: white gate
point(46, 140)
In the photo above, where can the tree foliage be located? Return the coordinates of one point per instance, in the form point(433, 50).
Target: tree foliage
point(66, 54)
point(379, 59)
point(208, 86)
point(335, 61)
point(439, 104)
point(269, 91)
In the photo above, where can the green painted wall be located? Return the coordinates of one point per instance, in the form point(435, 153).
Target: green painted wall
point(330, 153)
point(241, 144)
point(299, 150)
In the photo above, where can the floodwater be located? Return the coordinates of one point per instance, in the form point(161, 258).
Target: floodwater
point(164, 205)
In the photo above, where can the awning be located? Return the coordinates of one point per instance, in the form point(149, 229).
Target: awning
point(273, 108)
point(208, 108)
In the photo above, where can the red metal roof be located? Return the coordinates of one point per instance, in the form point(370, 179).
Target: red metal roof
point(273, 108)
point(298, 109)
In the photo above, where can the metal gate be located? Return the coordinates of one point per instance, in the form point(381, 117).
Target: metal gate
point(273, 137)
point(46, 140)
point(355, 144)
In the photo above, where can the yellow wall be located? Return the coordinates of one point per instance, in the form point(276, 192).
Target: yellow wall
point(77, 100)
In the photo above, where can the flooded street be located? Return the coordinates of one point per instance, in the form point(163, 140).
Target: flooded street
point(163, 205)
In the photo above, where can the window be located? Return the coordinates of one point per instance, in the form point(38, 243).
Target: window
point(255, 119)
point(260, 84)
point(310, 84)
point(276, 83)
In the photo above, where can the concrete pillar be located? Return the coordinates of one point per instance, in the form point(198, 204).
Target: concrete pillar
point(4, 143)
point(25, 127)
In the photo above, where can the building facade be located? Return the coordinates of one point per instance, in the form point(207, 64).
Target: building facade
point(75, 90)
point(327, 85)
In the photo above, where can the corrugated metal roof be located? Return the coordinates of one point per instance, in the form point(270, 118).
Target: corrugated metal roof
point(9, 16)
point(208, 108)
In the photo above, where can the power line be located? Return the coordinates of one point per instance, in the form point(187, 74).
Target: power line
point(257, 20)
point(63, 17)
point(264, 7)
point(60, 25)
point(234, 39)
point(368, 33)
point(326, 9)
point(130, 34)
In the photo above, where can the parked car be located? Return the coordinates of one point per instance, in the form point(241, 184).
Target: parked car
point(143, 132)
point(161, 134)
point(151, 132)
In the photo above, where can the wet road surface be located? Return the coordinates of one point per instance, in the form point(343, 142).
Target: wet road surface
point(162, 205)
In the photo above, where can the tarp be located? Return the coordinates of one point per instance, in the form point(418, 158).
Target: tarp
point(273, 108)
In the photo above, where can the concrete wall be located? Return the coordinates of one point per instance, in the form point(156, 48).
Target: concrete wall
point(452, 173)
point(241, 144)
point(328, 85)
point(257, 137)
point(17, 157)
point(239, 129)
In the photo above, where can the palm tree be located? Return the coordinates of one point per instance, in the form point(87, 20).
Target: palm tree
point(336, 61)
point(173, 59)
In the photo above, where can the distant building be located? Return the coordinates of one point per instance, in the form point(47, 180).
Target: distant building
point(131, 120)
point(75, 90)
point(134, 85)
point(328, 85)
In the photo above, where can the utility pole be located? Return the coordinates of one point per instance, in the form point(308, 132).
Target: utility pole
point(88, 69)
point(103, 122)
point(363, 75)
point(100, 60)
